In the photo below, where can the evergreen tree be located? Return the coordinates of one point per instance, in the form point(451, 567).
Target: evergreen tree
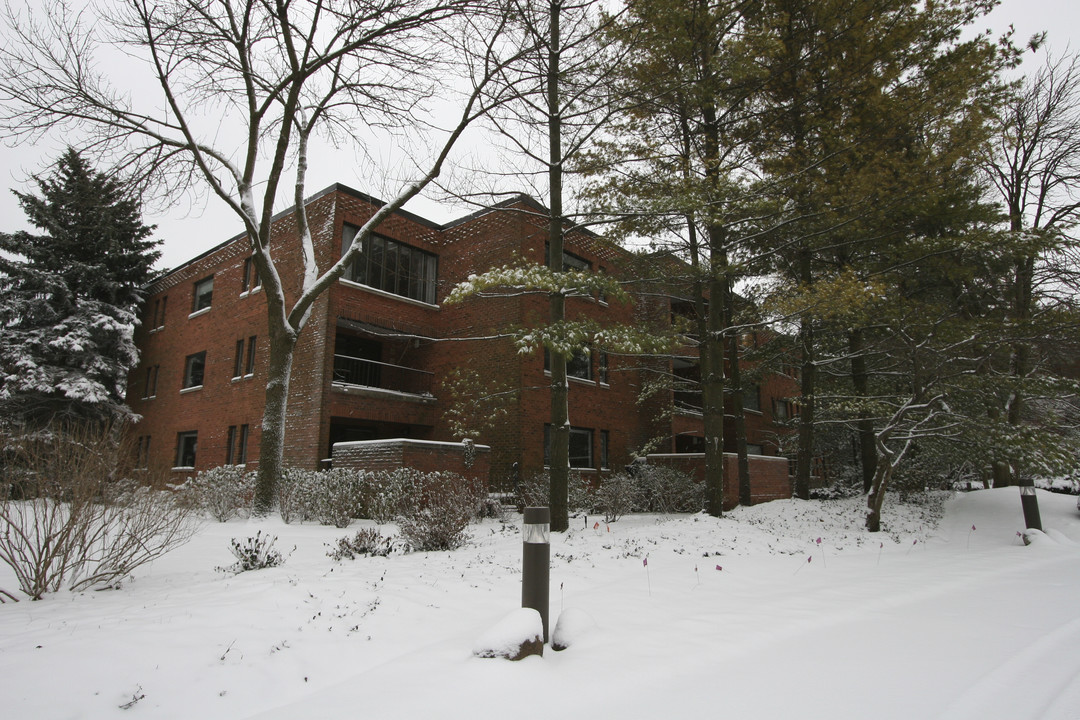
point(68, 297)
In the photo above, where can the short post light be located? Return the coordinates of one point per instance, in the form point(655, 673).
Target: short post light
point(1030, 503)
point(536, 562)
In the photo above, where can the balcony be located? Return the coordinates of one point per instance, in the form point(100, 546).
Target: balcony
point(383, 376)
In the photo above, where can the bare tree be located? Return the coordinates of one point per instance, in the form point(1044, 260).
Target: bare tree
point(1034, 164)
point(278, 73)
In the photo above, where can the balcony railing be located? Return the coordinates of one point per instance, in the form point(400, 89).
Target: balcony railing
point(369, 373)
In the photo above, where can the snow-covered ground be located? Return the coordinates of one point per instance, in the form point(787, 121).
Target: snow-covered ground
point(747, 616)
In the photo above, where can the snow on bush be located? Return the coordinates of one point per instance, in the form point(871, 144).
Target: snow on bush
point(667, 490)
point(366, 541)
point(333, 497)
point(439, 521)
point(71, 516)
point(222, 491)
point(254, 553)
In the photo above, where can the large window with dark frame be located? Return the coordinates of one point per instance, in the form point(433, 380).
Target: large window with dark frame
point(578, 365)
point(581, 447)
point(392, 266)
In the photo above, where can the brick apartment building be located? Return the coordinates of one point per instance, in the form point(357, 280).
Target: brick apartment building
point(377, 356)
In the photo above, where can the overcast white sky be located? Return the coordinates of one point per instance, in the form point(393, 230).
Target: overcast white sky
point(195, 225)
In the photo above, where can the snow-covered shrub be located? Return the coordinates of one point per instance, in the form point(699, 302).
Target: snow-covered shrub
point(334, 497)
point(74, 514)
point(390, 493)
point(617, 495)
point(663, 489)
point(535, 492)
point(290, 494)
point(439, 521)
point(222, 491)
point(491, 507)
point(366, 541)
point(254, 553)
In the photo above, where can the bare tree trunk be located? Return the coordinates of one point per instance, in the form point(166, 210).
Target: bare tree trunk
point(559, 456)
point(272, 442)
point(864, 427)
point(737, 409)
point(712, 386)
point(805, 452)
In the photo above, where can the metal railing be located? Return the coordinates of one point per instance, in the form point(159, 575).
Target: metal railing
point(369, 373)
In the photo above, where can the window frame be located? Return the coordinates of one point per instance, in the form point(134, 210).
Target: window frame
point(198, 297)
point(249, 278)
point(580, 359)
point(189, 370)
point(236, 445)
point(238, 360)
point(182, 449)
point(249, 363)
point(574, 431)
point(150, 385)
point(391, 266)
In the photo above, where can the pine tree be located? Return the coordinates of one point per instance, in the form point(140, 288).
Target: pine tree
point(68, 297)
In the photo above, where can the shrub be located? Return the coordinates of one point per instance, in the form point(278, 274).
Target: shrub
point(222, 491)
point(72, 517)
point(289, 491)
point(663, 489)
point(618, 494)
point(439, 521)
point(389, 494)
point(333, 497)
point(254, 553)
point(535, 492)
point(366, 541)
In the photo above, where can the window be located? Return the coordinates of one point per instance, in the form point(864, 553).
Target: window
point(194, 366)
point(238, 362)
point(203, 294)
point(601, 367)
point(236, 445)
point(578, 365)
point(753, 449)
point(781, 410)
point(150, 387)
point(250, 280)
point(157, 313)
point(249, 368)
point(569, 260)
point(393, 267)
point(142, 452)
point(581, 447)
point(244, 364)
point(186, 444)
point(752, 398)
point(605, 449)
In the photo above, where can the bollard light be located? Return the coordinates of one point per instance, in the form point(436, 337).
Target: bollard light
point(1030, 504)
point(536, 562)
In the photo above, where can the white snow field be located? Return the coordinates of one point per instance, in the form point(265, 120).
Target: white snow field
point(747, 616)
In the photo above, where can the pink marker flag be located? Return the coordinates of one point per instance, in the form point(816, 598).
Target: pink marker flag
point(596, 525)
point(719, 568)
point(645, 561)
